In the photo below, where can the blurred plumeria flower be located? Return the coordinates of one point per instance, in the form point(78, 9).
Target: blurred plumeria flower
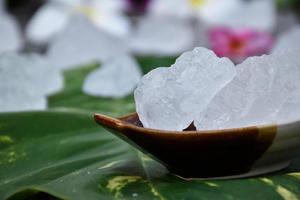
point(210, 11)
point(10, 34)
point(54, 16)
point(172, 26)
point(256, 14)
point(81, 43)
point(162, 36)
point(26, 81)
point(238, 44)
point(289, 40)
point(117, 77)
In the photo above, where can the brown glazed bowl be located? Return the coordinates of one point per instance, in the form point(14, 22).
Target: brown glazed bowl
point(229, 153)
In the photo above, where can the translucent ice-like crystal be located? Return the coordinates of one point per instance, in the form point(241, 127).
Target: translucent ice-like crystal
point(170, 98)
point(263, 88)
point(82, 43)
point(117, 77)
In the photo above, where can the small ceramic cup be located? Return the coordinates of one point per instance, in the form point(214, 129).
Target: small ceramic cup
point(229, 153)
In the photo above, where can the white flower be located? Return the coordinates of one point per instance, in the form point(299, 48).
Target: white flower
point(289, 40)
point(208, 10)
point(168, 29)
point(117, 77)
point(162, 36)
point(257, 14)
point(26, 81)
point(177, 8)
point(10, 36)
point(80, 43)
point(54, 15)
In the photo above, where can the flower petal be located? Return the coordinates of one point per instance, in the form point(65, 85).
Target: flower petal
point(117, 77)
point(213, 11)
point(69, 2)
point(20, 100)
point(176, 8)
point(162, 36)
point(32, 71)
point(115, 24)
point(47, 22)
point(257, 14)
point(26, 81)
point(82, 43)
point(10, 39)
point(108, 15)
point(288, 40)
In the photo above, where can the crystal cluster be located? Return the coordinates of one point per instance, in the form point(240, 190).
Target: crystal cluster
point(215, 94)
point(171, 98)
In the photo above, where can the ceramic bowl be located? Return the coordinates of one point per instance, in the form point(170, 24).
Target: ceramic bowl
point(229, 153)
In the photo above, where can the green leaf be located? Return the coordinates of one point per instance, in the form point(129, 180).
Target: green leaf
point(73, 97)
point(63, 154)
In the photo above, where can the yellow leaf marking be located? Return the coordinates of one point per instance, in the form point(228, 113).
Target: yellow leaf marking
point(285, 193)
point(211, 184)
point(116, 184)
point(295, 175)
point(109, 165)
point(267, 181)
point(6, 139)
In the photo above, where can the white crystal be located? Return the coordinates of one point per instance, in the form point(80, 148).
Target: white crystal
point(263, 88)
point(290, 110)
point(10, 36)
point(171, 98)
point(117, 77)
point(288, 40)
point(82, 43)
point(162, 36)
point(30, 72)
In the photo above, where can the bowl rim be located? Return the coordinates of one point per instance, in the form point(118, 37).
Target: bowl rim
point(121, 124)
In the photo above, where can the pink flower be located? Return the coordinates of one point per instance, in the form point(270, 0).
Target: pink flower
point(238, 44)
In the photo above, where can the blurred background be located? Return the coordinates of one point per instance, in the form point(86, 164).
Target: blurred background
point(42, 40)
point(32, 15)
